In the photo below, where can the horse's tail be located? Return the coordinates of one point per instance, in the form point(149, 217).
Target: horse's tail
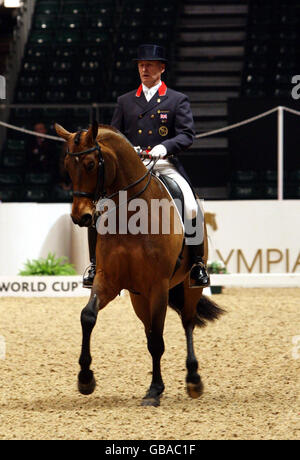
point(206, 309)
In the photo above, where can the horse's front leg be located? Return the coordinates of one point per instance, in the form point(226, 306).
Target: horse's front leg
point(98, 299)
point(86, 380)
point(156, 347)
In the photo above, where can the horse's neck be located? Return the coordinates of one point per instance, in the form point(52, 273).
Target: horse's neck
point(129, 168)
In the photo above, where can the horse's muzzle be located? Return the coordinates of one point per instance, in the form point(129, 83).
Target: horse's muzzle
point(84, 221)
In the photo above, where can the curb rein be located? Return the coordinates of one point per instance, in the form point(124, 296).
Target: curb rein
point(100, 191)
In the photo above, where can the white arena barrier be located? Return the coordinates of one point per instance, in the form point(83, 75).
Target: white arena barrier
point(31, 230)
point(248, 236)
point(42, 286)
point(259, 280)
point(71, 286)
point(259, 236)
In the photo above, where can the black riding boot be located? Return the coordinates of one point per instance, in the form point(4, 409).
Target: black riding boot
point(198, 274)
point(89, 278)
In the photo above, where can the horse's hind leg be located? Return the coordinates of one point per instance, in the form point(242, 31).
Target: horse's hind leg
point(194, 385)
point(184, 300)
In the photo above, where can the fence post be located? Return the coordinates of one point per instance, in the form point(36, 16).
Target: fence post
point(280, 152)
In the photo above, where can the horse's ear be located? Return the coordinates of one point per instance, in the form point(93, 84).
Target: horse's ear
point(92, 133)
point(62, 132)
point(95, 129)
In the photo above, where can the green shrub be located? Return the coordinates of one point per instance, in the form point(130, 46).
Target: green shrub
point(50, 266)
point(216, 267)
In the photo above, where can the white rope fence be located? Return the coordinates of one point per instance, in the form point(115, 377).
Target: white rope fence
point(280, 139)
point(237, 125)
point(198, 136)
point(295, 112)
point(33, 133)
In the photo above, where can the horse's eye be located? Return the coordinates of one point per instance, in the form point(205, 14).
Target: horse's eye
point(90, 165)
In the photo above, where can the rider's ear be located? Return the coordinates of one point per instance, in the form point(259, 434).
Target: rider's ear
point(92, 132)
point(62, 132)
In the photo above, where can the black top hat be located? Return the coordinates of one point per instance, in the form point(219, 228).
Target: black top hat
point(151, 53)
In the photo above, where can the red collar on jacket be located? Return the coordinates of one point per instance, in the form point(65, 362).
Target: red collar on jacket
point(161, 90)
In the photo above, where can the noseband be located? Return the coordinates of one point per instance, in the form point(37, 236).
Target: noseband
point(99, 192)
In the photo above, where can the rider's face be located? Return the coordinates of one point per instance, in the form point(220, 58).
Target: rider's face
point(150, 72)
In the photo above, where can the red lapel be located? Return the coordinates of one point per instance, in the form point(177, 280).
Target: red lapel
point(161, 90)
point(139, 91)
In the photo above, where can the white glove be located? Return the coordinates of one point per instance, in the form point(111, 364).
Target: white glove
point(138, 149)
point(159, 151)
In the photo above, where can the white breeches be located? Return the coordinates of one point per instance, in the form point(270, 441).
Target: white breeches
point(167, 168)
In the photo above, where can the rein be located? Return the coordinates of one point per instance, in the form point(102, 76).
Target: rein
point(149, 173)
point(100, 192)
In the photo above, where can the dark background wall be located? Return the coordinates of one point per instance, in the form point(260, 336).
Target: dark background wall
point(254, 146)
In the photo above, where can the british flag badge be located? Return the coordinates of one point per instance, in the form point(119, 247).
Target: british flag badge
point(164, 117)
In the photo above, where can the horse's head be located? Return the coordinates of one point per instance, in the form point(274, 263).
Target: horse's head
point(84, 163)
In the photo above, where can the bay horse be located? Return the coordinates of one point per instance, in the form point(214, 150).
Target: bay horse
point(102, 162)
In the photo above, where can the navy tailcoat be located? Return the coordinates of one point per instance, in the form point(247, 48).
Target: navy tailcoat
point(166, 119)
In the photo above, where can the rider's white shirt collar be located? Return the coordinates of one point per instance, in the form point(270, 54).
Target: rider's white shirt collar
point(149, 92)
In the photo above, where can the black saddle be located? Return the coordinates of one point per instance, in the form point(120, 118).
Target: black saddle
point(177, 195)
point(174, 191)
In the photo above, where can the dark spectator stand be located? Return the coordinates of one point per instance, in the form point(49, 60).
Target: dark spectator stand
point(233, 58)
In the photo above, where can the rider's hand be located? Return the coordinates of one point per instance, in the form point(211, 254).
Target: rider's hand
point(138, 149)
point(159, 151)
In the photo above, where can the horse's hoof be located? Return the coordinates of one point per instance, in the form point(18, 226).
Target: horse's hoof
point(194, 390)
point(154, 402)
point(86, 388)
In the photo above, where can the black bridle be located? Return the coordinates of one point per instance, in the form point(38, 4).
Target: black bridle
point(100, 192)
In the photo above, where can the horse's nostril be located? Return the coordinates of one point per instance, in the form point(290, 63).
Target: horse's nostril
point(74, 220)
point(83, 221)
point(86, 220)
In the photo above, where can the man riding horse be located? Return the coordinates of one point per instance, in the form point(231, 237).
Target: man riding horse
point(159, 120)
